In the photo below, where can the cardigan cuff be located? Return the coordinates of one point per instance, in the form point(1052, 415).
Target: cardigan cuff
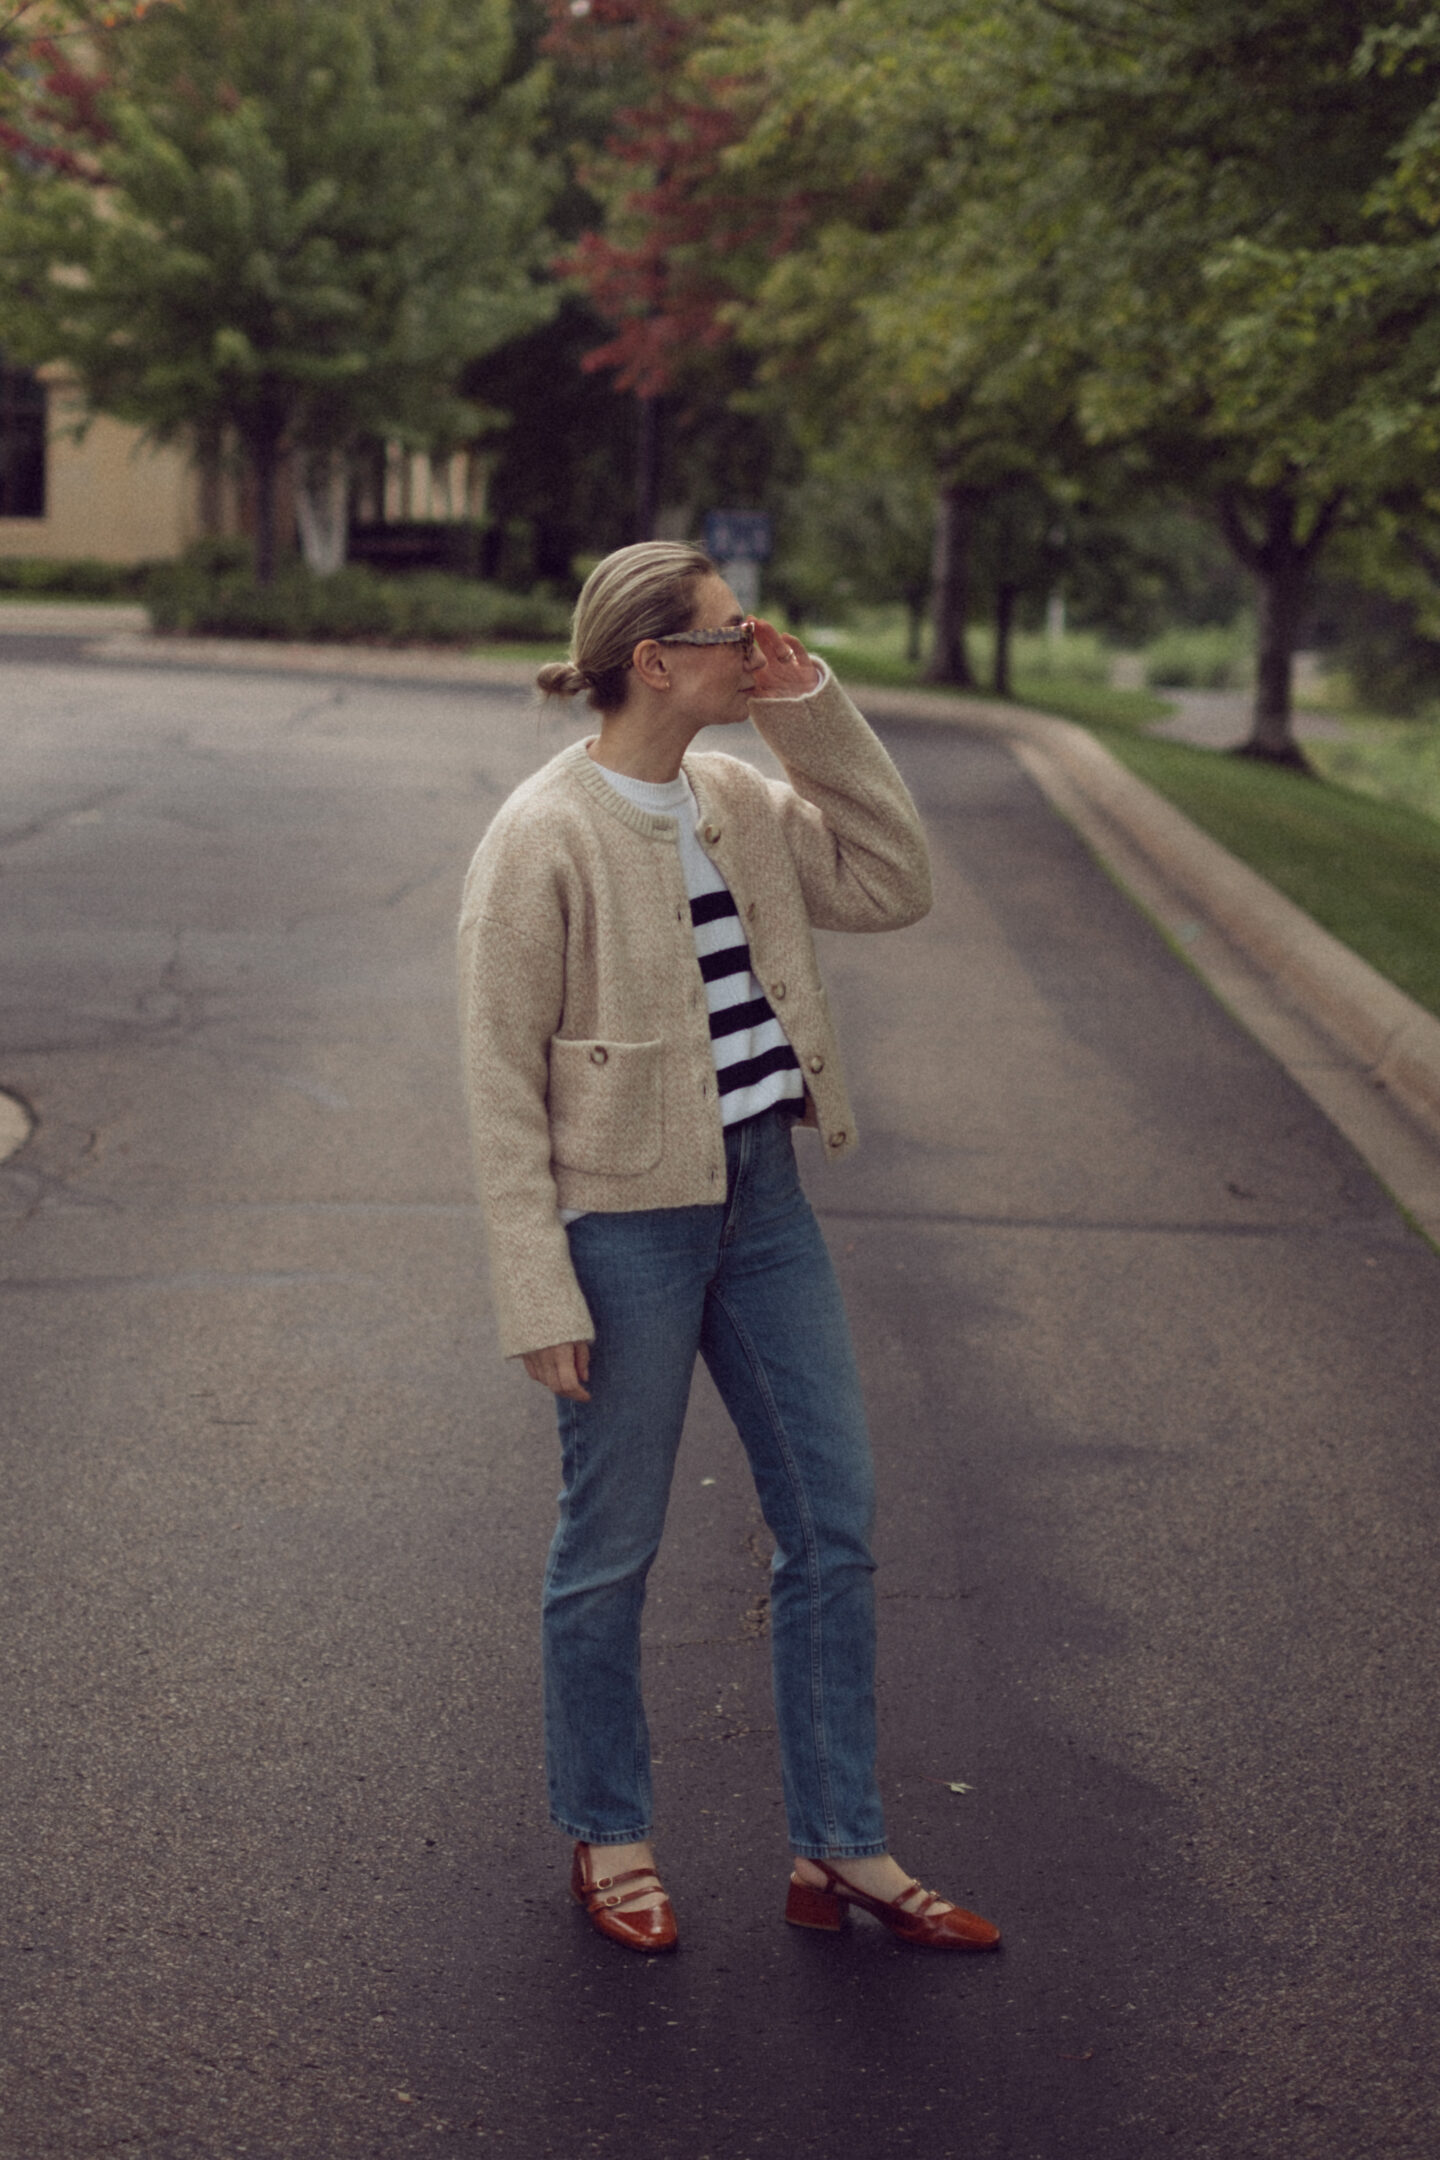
point(796, 696)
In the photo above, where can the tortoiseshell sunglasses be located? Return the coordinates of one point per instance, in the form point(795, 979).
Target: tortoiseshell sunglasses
point(741, 634)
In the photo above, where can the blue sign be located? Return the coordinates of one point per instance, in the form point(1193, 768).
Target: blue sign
point(737, 535)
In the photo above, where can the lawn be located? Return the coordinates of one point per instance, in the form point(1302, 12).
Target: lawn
point(1395, 760)
point(1368, 870)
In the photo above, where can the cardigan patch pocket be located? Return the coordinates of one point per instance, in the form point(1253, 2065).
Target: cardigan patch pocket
point(606, 1114)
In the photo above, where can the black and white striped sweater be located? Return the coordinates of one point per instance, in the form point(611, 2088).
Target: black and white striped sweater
point(754, 1063)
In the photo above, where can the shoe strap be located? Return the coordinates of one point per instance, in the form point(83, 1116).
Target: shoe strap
point(901, 1904)
point(916, 1912)
point(599, 1890)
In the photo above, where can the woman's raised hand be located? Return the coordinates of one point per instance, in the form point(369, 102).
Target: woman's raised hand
point(563, 1368)
point(783, 668)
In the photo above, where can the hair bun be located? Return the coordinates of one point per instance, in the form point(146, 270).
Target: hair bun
point(561, 678)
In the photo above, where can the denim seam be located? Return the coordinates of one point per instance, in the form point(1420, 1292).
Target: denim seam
point(812, 1563)
point(744, 1148)
point(623, 1837)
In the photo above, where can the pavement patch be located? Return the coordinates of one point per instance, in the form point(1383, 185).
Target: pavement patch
point(16, 1126)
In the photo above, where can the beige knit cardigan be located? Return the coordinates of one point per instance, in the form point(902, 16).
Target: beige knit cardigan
point(586, 1040)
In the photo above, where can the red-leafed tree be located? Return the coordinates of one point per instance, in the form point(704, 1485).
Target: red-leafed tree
point(680, 239)
point(51, 82)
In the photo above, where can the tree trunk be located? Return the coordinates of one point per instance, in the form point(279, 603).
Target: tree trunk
point(950, 587)
point(1280, 562)
point(1005, 598)
point(914, 626)
point(647, 467)
point(265, 467)
point(209, 449)
point(1280, 585)
point(322, 509)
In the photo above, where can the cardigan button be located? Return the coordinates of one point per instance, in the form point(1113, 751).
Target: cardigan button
point(751, 912)
point(710, 834)
point(816, 1064)
point(838, 1139)
point(599, 1055)
point(777, 989)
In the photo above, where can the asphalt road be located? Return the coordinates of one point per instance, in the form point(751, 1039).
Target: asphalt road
point(1152, 1366)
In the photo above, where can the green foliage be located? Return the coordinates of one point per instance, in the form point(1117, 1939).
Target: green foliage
point(314, 212)
point(1396, 761)
point(1134, 570)
point(850, 534)
point(82, 578)
point(1063, 241)
point(1068, 675)
point(1389, 664)
point(1203, 659)
point(1073, 657)
point(218, 598)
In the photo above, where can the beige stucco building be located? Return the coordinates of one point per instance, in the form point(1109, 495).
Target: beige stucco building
point(73, 488)
point(106, 493)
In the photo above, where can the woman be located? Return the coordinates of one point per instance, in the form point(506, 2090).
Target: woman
point(643, 1023)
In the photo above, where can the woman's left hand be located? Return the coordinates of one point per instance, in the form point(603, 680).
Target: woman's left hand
point(783, 668)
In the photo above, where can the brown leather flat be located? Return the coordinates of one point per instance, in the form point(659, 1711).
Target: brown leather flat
point(650, 1928)
point(911, 1916)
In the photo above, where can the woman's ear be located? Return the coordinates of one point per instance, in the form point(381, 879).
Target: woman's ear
point(649, 663)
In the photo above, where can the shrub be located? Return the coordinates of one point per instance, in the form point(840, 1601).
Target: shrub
point(1212, 659)
point(82, 579)
point(218, 597)
point(1075, 656)
point(1391, 665)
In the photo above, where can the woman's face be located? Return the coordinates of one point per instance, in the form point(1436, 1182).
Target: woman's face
point(714, 681)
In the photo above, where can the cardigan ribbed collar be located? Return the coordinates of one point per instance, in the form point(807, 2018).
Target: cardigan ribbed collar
point(654, 824)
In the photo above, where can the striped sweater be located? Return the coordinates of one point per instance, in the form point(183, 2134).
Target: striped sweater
point(754, 1063)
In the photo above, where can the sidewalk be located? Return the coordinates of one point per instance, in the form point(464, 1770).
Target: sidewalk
point(1364, 1052)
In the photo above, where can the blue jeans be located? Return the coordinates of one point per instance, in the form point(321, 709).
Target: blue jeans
point(749, 1286)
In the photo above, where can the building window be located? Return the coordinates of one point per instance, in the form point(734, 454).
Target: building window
point(22, 443)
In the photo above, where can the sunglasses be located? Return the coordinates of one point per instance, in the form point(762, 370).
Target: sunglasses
point(741, 634)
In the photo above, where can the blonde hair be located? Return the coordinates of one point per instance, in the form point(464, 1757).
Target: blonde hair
point(644, 591)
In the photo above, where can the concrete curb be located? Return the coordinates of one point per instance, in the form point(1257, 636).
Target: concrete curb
point(381, 663)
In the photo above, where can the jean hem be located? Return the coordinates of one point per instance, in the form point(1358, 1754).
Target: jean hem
point(803, 1851)
point(604, 1837)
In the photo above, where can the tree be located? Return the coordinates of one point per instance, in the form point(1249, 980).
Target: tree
point(673, 241)
point(1054, 203)
point(312, 215)
point(863, 336)
point(855, 532)
point(557, 486)
point(49, 84)
point(1209, 132)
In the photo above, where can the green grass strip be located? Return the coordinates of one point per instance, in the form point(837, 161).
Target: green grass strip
point(1369, 871)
